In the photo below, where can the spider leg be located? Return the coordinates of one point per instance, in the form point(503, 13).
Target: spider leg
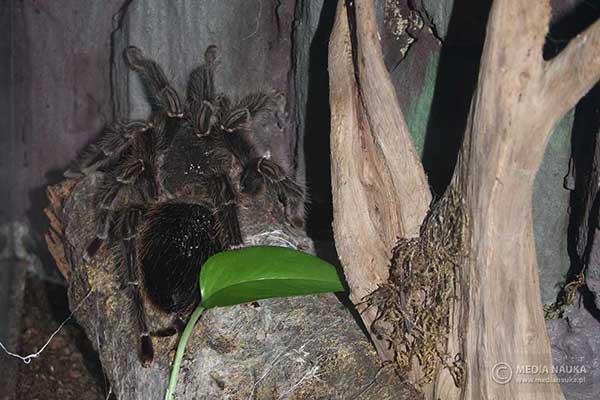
point(201, 84)
point(116, 189)
point(235, 124)
point(234, 118)
point(115, 140)
point(258, 171)
point(123, 231)
point(163, 98)
point(133, 281)
point(130, 171)
point(256, 103)
point(176, 326)
point(125, 228)
point(262, 170)
point(223, 199)
point(200, 94)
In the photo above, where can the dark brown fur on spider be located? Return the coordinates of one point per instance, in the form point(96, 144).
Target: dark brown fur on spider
point(167, 199)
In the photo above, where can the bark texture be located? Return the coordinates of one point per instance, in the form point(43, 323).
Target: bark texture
point(520, 97)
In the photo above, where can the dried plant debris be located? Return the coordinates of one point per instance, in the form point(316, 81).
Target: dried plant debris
point(415, 305)
point(566, 298)
point(404, 21)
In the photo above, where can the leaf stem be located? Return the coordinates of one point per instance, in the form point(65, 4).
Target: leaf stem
point(185, 336)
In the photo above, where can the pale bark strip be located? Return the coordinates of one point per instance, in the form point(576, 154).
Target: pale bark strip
point(379, 193)
point(390, 133)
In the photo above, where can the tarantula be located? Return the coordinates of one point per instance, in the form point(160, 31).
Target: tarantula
point(166, 202)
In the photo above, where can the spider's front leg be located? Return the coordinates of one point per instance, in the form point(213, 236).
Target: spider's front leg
point(115, 140)
point(224, 200)
point(201, 85)
point(262, 171)
point(125, 230)
point(259, 171)
point(163, 98)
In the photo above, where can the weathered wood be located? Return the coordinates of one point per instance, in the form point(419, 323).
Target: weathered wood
point(375, 201)
point(516, 105)
point(498, 320)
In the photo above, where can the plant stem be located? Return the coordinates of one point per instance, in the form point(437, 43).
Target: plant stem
point(180, 350)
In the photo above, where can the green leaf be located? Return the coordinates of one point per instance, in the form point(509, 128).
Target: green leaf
point(262, 272)
point(254, 273)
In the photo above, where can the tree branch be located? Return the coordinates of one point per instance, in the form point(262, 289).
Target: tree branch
point(380, 190)
point(389, 130)
point(355, 182)
point(571, 74)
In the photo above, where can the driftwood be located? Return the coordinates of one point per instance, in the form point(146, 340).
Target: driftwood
point(497, 317)
point(366, 161)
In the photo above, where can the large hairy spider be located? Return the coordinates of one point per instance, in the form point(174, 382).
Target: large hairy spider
point(166, 201)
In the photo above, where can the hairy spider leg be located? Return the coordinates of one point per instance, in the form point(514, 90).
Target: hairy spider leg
point(163, 98)
point(259, 170)
point(114, 141)
point(201, 84)
point(201, 96)
point(223, 199)
point(123, 187)
point(146, 351)
point(290, 193)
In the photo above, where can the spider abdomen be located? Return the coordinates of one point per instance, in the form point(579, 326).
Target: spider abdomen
point(175, 240)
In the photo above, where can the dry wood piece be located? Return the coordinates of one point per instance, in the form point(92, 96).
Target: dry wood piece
point(375, 200)
point(56, 234)
point(497, 316)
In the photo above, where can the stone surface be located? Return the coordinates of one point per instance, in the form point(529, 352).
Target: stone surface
point(576, 353)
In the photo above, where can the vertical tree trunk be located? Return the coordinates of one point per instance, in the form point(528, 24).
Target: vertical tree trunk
point(520, 98)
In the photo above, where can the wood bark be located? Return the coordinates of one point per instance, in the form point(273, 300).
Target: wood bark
point(498, 319)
